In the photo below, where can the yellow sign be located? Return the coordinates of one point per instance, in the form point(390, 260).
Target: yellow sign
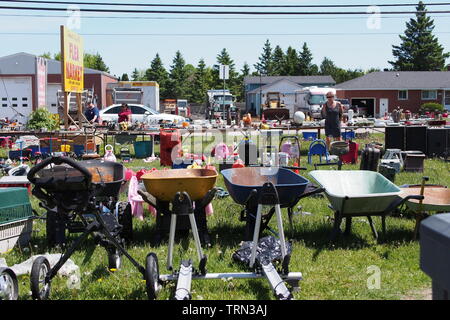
point(72, 60)
point(55, 116)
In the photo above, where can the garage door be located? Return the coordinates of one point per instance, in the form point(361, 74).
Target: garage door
point(16, 98)
point(52, 99)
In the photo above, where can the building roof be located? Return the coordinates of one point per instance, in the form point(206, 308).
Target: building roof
point(24, 63)
point(296, 79)
point(394, 80)
point(292, 84)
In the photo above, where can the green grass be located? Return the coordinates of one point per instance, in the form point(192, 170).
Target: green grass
point(336, 270)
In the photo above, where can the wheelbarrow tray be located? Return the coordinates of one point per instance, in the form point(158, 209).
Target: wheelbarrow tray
point(107, 178)
point(164, 184)
point(357, 192)
point(241, 181)
point(435, 199)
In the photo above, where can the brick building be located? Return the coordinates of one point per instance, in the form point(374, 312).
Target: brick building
point(379, 92)
point(19, 85)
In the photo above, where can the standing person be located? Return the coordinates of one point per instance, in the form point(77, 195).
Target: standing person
point(91, 113)
point(332, 112)
point(125, 115)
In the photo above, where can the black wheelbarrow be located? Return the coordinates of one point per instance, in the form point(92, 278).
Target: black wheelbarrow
point(85, 190)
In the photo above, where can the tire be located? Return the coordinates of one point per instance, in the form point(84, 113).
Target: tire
point(9, 286)
point(125, 219)
point(114, 261)
point(39, 289)
point(152, 276)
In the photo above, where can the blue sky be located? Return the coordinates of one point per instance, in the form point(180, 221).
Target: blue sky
point(353, 45)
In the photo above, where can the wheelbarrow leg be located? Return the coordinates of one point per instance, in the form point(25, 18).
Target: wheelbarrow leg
point(374, 231)
point(337, 226)
point(348, 225)
point(419, 218)
point(383, 225)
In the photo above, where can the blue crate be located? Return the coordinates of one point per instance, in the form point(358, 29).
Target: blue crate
point(78, 149)
point(347, 135)
point(309, 135)
point(181, 165)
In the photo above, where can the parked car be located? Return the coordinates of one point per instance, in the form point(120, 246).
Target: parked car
point(140, 113)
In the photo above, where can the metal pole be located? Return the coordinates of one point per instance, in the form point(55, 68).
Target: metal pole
point(260, 94)
point(223, 102)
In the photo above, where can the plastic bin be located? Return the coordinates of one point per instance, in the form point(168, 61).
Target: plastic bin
point(78, 149)
point(309, 135)
point(15, 218)
point(347, 135)
point(45, 150)
point(142, 149)
point(181, 163)
point(435, 253)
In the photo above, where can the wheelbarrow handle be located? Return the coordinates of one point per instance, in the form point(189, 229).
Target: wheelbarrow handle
point(294, 168)
point(57, 160)
point(208, 197)
point(147, 197)
point(398, 202)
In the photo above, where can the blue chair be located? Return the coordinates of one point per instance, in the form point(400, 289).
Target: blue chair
point(318, 147)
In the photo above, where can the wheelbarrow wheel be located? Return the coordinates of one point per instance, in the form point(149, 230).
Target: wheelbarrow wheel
point(126, 220)
point(152, 276)
point(40, 288)
point(9, 286)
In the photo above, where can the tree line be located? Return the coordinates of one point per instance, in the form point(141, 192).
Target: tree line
point(184, 80)
point(419, 50)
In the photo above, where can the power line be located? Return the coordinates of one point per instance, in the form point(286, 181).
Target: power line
point(228, 5)
point(202, 18)
point(228, 12)
point(213, 34)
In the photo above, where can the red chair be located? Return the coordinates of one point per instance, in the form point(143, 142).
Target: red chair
point(352, 155)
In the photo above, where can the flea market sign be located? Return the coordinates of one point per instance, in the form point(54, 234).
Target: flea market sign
point(72, 60)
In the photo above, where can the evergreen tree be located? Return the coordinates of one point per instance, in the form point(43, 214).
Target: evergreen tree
point(306, 67)
point(327, 67)
point(223, 58)
point(177, 88)
point(277, 61)
point(158, 73)
point(420, 49)
point(95, 61)
point(290, 65)
point(245, 71)
point(264, 66)
point(201, 83)
point(124, 77)
point(138, 75)
point(46, 55)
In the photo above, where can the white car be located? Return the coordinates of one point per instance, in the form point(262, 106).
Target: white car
point(140, 113)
